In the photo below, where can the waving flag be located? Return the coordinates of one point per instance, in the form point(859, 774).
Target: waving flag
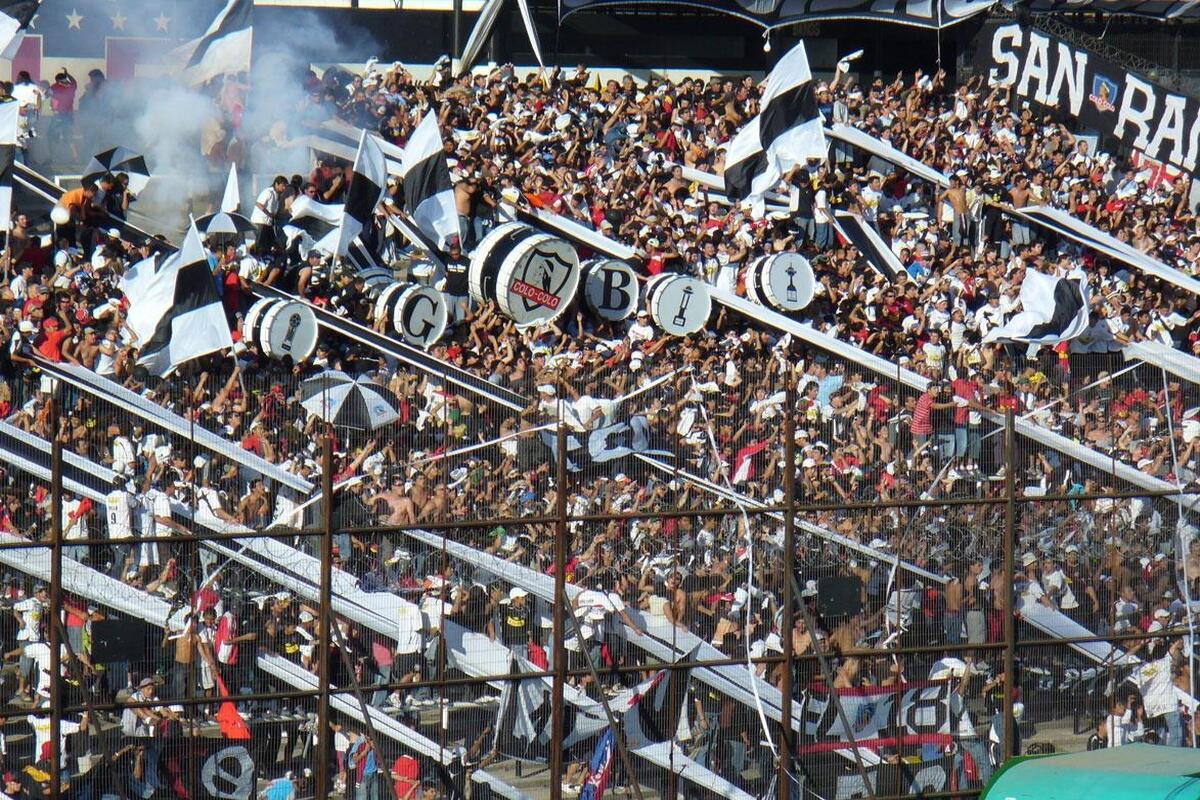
point(233, 725)
point(14, 19)
point(224, 47)
point(787, 132)
point(600, 768)
point(428, 193)
point(9, 120)
point(365, 192)
point(1052, 310)
point(182, 299)
point(744, 463)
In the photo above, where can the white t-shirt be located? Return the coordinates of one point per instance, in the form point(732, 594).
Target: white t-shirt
point(1158, 690)
point(118, 512)
point(124, 457)
point(80, 529)
point(41, 733)
point(31, 619)
point(596, 606)
point(408, 629)
point(155, 503)
point(1060, 589)
point(269, 200)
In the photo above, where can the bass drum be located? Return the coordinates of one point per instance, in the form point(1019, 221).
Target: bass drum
point(385, 303)
point(679, 304)
point(610, 288)
point(253, 318)
point(532, 276)
point(288, 330)
point(420, 315)
point(783, 282)
point(481, 273)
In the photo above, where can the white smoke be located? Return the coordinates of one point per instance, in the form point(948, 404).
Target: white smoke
point(174, 126)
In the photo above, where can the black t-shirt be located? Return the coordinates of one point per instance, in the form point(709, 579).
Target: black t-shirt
point(456, 276)
point(515, 624)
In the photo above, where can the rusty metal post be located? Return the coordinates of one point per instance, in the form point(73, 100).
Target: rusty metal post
point(324, 641)
point(560, 591)
point(1010, 622)
point(56, 604)
point(787, 742)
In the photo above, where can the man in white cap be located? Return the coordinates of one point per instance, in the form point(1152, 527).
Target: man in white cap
point(513, 621)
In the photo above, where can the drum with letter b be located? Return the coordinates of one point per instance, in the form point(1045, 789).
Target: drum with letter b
point(610, 288)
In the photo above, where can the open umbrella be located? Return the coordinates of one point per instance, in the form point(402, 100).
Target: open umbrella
point(119, 159)
point(227, 221)
point(349, 402)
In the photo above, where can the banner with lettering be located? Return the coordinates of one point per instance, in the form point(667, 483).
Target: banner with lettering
point(1074, 83)
point(909, 715)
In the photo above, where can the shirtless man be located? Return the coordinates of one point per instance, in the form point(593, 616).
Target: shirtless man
point(960, 222)
point(437, 506)
point(83, 350)
point(1018, 195)
point(676, 609)
point(397, 505)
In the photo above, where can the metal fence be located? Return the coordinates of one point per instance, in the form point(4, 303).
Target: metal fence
point(472, 614)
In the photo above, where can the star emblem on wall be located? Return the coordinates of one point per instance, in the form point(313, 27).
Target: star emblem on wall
point(74, 19)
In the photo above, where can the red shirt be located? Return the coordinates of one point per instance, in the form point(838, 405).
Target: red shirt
point(922, 419)
point(62, 97)
point(969, 390)
point(406, 774)
point(50, 343)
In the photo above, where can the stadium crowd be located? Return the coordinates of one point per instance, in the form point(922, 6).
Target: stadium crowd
point(609, 155)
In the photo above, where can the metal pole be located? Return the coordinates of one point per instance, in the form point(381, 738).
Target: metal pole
point(324, 734)
point(55, 613)
point(457, 30)
point(1010, 622)
point(559, 630)
point(827, 672)
point(787, 744)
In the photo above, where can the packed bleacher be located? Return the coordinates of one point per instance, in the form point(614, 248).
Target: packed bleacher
point(611, 155)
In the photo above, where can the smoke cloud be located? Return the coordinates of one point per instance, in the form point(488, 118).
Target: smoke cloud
point(189, 135)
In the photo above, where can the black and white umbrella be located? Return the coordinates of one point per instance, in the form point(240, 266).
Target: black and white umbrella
point(224, 223)
point(349, 402)
point(119, 159)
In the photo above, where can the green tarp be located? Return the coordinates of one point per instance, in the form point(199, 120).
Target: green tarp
point(1132, 772)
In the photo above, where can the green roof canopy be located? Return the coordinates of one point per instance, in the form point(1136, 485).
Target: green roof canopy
point(1132, 772)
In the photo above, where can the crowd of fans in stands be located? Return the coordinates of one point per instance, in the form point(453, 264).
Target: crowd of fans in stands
point(607, 153)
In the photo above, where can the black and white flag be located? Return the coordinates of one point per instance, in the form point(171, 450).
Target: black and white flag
point(523, 719)
point(10, 117)
point(867, 241)
point(428, 192)
point(366, 189)
point(15, 16)
point(787, 131)
point(182, 301)
point(1052, 310)
point(224, 47)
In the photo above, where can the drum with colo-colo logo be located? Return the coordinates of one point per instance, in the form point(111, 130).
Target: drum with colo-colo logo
point(531, 276)
point(281, 329)
point(679, 304)
point(783, 282)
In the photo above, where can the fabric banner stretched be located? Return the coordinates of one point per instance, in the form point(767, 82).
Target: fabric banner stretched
point(914, 714)
point(1076, 84)
point(886, 779)
point(777, 13)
